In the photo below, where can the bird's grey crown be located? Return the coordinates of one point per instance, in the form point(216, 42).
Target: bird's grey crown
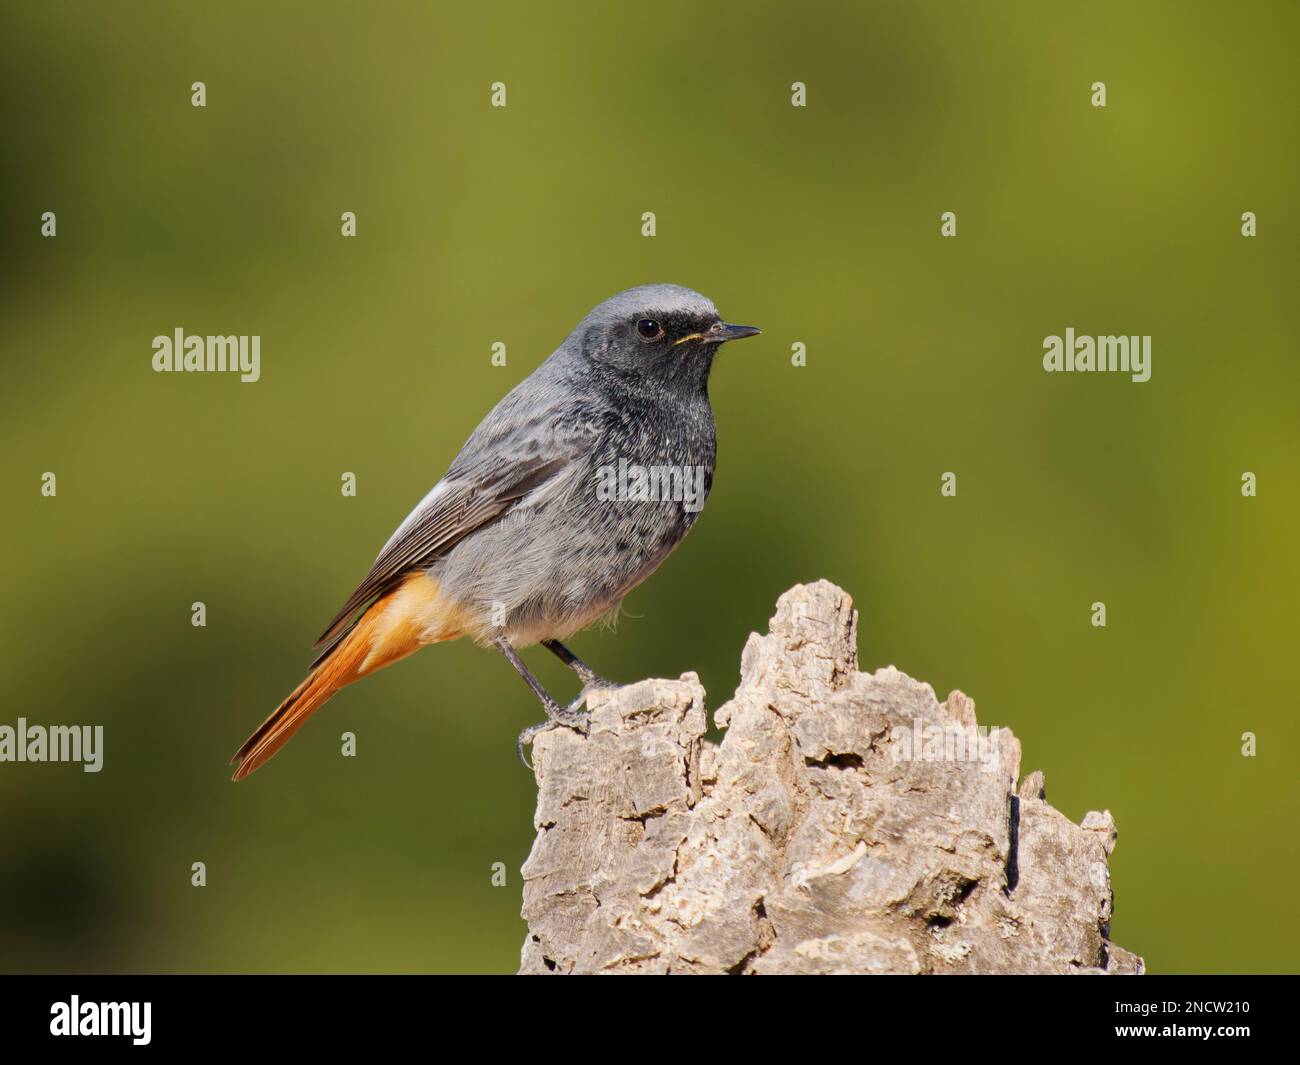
point(649, 301)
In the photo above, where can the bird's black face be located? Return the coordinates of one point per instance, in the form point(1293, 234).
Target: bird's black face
point(672, 346)
point(700, 331)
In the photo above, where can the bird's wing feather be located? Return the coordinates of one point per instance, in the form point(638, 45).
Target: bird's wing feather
point(510, 455)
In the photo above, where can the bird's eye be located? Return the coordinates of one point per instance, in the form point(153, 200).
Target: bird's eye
point(649, 329)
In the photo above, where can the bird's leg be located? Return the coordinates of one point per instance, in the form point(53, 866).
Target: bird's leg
point(569, 716)
point(589, 677)
point(591, 680)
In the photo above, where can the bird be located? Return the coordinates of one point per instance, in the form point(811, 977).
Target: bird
point(571, 491)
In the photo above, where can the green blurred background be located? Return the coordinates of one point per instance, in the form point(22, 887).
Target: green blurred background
point(477, 225)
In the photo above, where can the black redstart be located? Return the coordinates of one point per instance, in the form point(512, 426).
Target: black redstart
point(571, 492)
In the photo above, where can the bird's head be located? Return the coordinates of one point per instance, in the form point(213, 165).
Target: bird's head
point(660, 333)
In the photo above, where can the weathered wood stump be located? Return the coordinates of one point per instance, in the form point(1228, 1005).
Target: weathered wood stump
point(847, 822)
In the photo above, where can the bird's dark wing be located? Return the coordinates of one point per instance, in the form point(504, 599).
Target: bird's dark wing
point(513, 451)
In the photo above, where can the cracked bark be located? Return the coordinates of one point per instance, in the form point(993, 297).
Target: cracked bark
point(847, 822)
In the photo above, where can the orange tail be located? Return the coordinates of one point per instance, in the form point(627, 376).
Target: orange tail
point(391, 629)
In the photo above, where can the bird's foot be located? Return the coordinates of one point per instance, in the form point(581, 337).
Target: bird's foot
point(594, 684)
point(567, 716)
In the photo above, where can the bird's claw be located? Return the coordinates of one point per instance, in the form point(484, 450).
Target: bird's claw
point(596, 684)
point(568, 717)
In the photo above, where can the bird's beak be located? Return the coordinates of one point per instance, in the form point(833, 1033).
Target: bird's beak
point(722, 332)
